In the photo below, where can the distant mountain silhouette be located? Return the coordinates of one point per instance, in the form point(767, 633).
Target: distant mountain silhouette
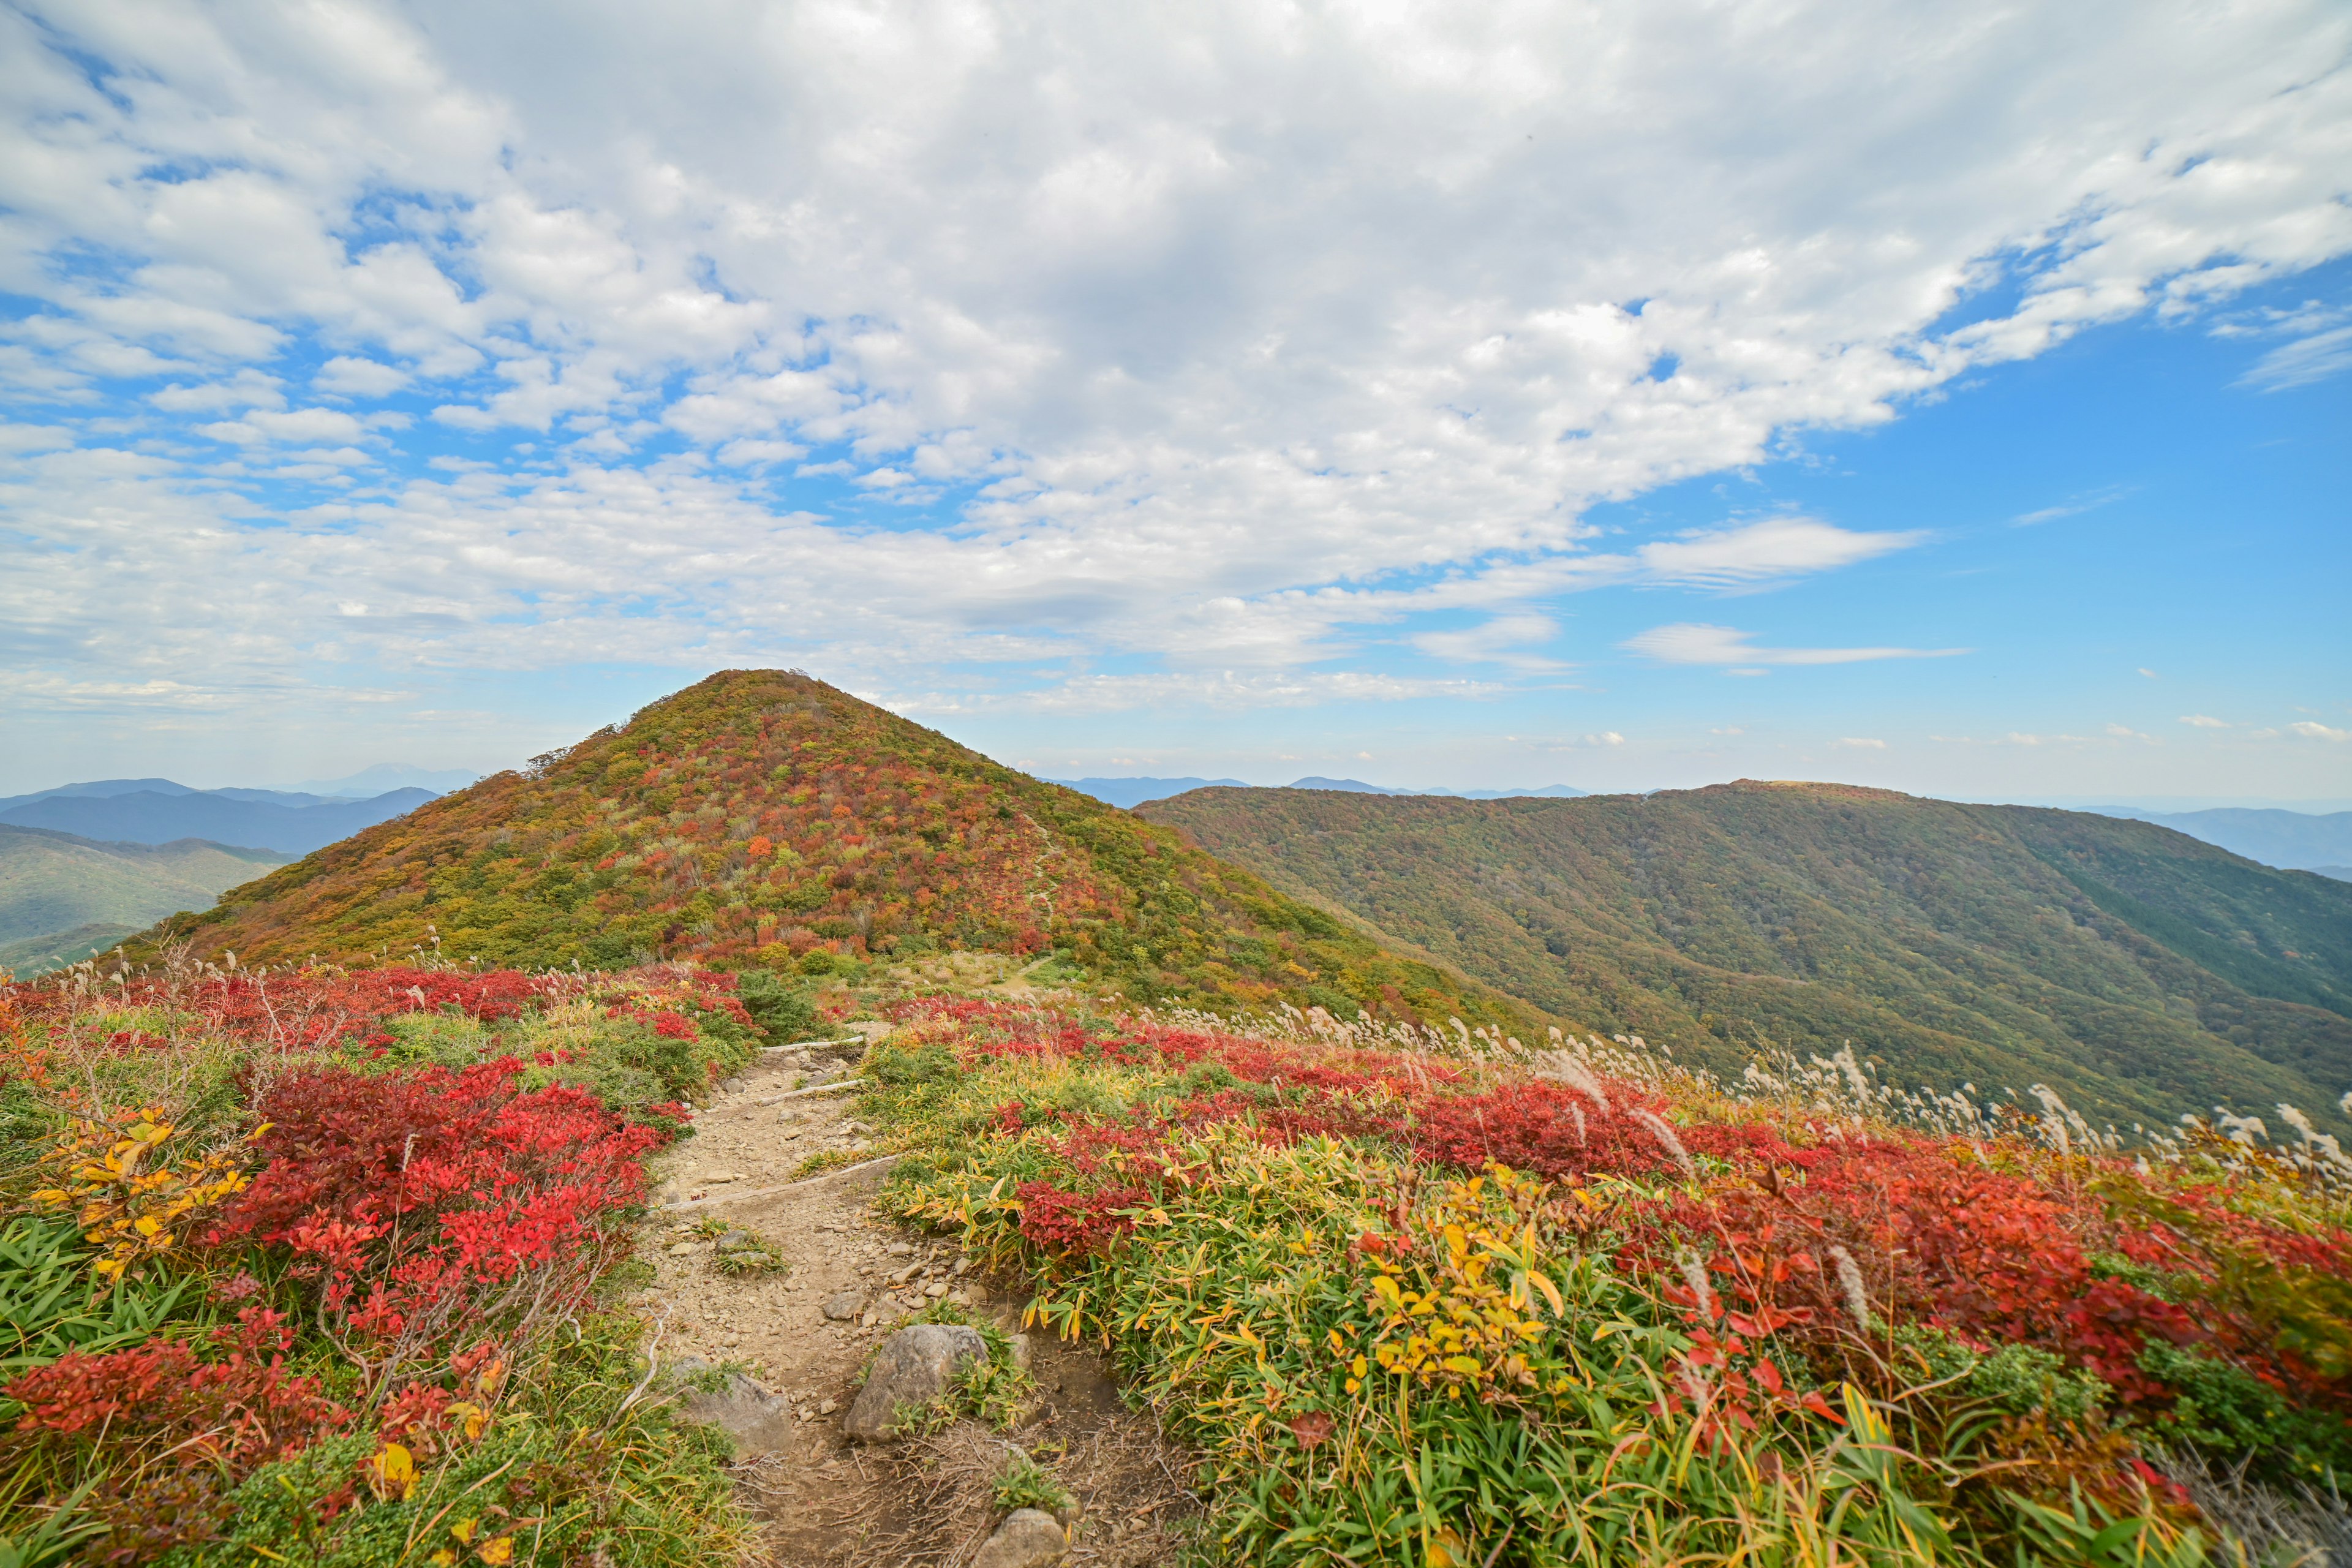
point(2292, 840)
point(1128, 792)
point(158, 810)
point(1134, 792)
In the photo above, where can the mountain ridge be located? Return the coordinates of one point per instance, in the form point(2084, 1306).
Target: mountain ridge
point(61, 893)
point(2141, 971)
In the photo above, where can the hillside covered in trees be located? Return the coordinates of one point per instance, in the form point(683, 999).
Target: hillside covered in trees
point(759, 817)
point(2138, 971)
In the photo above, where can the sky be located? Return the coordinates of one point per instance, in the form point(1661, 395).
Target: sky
point(1946, 397)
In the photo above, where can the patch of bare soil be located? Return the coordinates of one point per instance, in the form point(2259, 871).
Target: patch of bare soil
point(924, 1502)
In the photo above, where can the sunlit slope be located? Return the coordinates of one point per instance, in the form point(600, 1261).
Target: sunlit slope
point(53, 885)
point(2138, 970)
point(760, 813)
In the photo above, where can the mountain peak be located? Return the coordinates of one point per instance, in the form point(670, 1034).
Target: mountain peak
point(759, 816)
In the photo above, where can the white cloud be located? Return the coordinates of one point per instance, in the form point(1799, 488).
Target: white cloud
point(344, 376)
point(1860, 744)
point(2204, 721)
point(2074, 508)
point(245, 389)
point(1224, 689)
point(1761, 552)
point(2302, 362)
point(2312, 731)
point(1257, 336)
point(1697, 643)
point(1503, 639)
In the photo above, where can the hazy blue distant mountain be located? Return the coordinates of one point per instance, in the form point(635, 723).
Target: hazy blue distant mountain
point(369, 783)
point(1358, 786)
point(280, 797)
point(2341, 873)
point(1548, 792)
point(258, 819)
point(100, 788)
point(1136, 791)
point(2292, 840)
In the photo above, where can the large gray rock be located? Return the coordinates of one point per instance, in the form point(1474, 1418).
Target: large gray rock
point(759, 1421)
point(844, 1306)
point(913, 1367)
point(1029, 1538)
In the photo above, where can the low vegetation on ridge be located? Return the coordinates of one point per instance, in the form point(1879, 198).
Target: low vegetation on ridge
point(1438, 1301)
point(326, 1265)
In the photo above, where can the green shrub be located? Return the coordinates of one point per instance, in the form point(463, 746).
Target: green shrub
point(903, 1068)
point(2227, 1410)
point(784, 1010)
point(1026, 1483)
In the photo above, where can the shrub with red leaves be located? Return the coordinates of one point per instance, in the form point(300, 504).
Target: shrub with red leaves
point(1075, 1222)
point(408, 1197)
point(237, 1413)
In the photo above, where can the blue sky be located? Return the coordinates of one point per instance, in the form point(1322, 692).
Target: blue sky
point(1475, 397)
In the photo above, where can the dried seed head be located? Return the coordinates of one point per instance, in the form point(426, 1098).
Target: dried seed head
point(1664, 1134)
point(1695, 1276)
point(1857, 1299)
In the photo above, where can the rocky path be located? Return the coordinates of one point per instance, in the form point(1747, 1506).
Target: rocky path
point(802, 1335)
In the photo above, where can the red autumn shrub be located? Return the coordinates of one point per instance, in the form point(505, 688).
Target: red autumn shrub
point(403, 1194)
point(1075, 1222)
point(236, 1413)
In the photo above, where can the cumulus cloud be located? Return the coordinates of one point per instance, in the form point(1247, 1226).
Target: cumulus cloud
point(1232, 339)
point(2204, 721)
point(1860, 744)
point(2310, 730)
point(1692, 642)
point(345, 376)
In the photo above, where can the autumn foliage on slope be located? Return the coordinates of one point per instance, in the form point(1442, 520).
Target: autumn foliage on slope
point(759, 816)
point(1595, 1313)
point(310, 1243)
point(2136, 969)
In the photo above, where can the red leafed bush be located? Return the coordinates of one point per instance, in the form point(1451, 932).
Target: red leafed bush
point(1075, 1222)
point(238, 1413)
point(411, 1197)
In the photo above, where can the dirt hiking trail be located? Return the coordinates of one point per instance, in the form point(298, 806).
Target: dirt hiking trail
point(802, 1335)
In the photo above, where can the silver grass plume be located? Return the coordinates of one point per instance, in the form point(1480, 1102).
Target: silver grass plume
point(1563, 1067)
point(1857, 1299)
point(1664, 1134)
point(1695, 1276)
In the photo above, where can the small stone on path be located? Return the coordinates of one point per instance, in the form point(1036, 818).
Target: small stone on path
point(845, 1306)
point(1029, 1538)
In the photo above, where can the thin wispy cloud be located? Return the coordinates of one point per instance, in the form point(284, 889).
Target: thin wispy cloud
point(1697, 643)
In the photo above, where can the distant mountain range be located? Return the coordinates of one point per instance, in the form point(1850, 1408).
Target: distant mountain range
point(369, 783)
point(159, 811)
point(2140, 971)
point(2294, 840)
point(1134, 792)
point(61, 895)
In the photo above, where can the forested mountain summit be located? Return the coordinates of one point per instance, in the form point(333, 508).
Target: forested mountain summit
point(759, 816)
point(2138, 971)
